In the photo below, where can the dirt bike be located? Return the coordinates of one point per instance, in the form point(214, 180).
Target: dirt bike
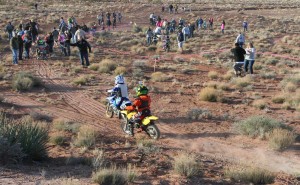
point(41, 53)
point(110, 109)
point(148, 124)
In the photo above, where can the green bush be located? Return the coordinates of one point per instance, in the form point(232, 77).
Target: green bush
point(30, 136)
point(23, 81)
point(250, 175)
point(58, 139)
point(258, 126)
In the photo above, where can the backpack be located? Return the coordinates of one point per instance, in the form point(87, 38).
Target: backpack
point(10, 28)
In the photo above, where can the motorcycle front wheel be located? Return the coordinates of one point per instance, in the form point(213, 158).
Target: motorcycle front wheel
point(109, 112)
point(153, 131)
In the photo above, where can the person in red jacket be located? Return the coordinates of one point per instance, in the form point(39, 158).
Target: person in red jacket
point(141, 104)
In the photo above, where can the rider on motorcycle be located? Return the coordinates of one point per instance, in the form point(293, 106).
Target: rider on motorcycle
point(41, 45)
point(120, 90)
point(141, 104)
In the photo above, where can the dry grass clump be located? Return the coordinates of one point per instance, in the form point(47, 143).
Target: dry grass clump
point(197, 114)
point(280, 139)
point(213, 75)
point(250, 175)
point(224, 86)
point(58, 139)
point(278, 99)
point(86, 136)
point(186, 165)
point(139, 50)
point(159, 77)
point(114, 176)
point(107, 66)
point(120, 70)
point(94, 67)
point(242, 82)
point(65, 125)
point(23, 81)
point(260, 104)
point(82, 80)
point(228, 75)
point(210, 94)
point(290, 87)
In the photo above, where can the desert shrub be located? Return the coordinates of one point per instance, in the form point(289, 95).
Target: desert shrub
point(228, 75)
point(290, 87)
point(65, 125)
point(94, 67)
point(10, 152)
point(107, 66)
point(186, 165)
point(98, 159)
point(147, 146)
point(140, 63)
point(23, 81)
point(281, 138)
point(250, 175)
point(258, 126)
point(212, 84)
point(196, 114)
point(159, 77)
point(114, 176)
point(77, 69)
point(137, 29)
point(137, 49)
point(120, 70)
point(278, 99)
point(268, 75)
point(242, 82)
point(86, 137)
point(260, 104)
point(35, 116)
point(210, 94)
point(213, 75)
point(82, 80)
point(138, 73)
point(272, 61)
point(224, 86)
point(31, 137)
point(58, 139)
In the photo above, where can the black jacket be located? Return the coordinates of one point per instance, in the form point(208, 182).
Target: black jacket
point(82, 45)
point(238, 54)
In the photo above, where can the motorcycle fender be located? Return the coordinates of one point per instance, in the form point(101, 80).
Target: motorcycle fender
point(124, 112)
point(147, 120)
point(130, 115)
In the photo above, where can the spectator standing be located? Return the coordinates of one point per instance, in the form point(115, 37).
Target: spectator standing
point(36, 6)
point(240, 39)
point(211, 23)
point(78, 34)
point(27, 44)
point(68, 42)
point(238, 54)
point(171, 8)
point(9, 29)
point(180, 40)
point(62, 42)
point(34, 29)
point(20, 41)
point(176, 8)
point(83, 47)
point(14, 46)
point(249, 58)
point(49, 39)
point(149, 35)
point(245, 25)
point(186, 33)
point(120, 17)
point(223, 27)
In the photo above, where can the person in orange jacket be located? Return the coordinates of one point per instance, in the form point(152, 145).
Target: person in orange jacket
point(141, 104)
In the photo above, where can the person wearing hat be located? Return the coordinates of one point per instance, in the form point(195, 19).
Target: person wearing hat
point(14, 46)
point(20, 41)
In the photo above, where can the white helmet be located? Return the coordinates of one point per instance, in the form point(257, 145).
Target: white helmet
point(119, 79)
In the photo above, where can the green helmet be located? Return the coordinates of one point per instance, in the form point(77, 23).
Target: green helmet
point(141, 90)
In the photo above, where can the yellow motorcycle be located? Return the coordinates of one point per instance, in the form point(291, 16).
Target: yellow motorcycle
point(148, 124)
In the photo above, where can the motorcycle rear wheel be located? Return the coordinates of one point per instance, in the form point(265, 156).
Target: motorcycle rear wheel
point(153, 131)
